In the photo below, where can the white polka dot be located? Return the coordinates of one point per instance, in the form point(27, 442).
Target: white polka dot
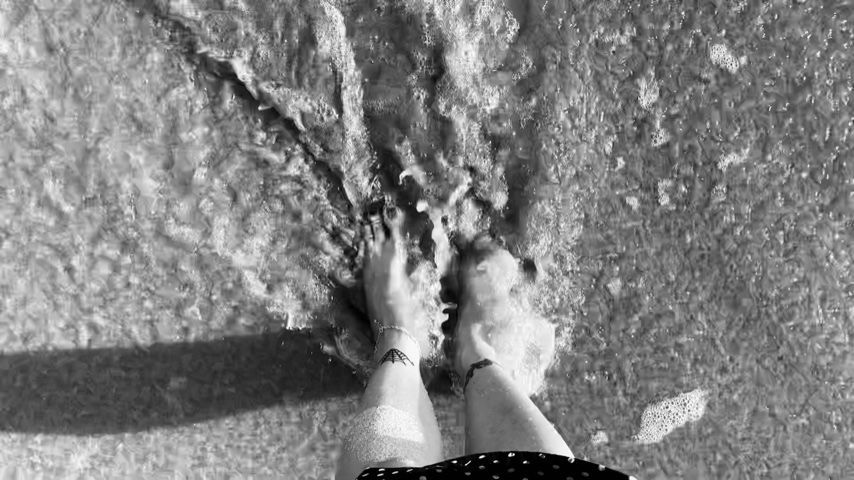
point(570, 459)
point(511, 470)
point(409, 470)
point(422, 477)
point(601, 468)
point(525, 462)
point(381, 470)
point(438, 470)
point(454, 461)
point(556, 467)
point(511, 454)
point(468, 474)
point(480, 457)
point(481, 467)
point(495, 461)
point(496, 477)
point(541, 455)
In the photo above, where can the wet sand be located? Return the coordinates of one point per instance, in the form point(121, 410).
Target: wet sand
point(192, 174)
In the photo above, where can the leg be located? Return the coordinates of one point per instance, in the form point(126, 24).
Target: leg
point(499, 415)
point(395, 425)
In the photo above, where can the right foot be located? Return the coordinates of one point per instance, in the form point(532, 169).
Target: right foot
point(387, 288)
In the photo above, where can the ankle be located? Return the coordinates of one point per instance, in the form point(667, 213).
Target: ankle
point(476, 370)
point(472, 346)
point(473, 356)
point(400, 340)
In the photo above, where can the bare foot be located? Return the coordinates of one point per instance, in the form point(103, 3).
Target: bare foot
point(387, 287)
point(485, 277)
point(492, 324)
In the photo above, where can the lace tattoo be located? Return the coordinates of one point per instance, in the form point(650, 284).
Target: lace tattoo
point(394, 355)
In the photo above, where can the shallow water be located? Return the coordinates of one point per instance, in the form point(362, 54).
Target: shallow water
point(679, 176)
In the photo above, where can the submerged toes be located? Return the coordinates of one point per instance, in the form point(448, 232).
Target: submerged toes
point(378, 228)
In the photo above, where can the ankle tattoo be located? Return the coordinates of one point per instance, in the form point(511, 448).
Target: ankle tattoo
point(394, 356)
point(483, 363)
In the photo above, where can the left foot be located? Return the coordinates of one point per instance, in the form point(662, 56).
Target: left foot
point(387, 287)
point(491, 323)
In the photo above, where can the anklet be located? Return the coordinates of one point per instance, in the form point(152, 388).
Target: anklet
point(395, 327)
point(483, 363)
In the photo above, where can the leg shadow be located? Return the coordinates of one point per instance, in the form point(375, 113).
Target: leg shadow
point(101, 391)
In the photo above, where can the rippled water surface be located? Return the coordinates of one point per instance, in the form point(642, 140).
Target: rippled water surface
point(181, 190)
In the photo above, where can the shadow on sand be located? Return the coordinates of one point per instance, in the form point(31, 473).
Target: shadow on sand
point(112, 390)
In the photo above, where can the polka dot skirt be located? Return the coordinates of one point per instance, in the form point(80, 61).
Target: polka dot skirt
point(501, 466)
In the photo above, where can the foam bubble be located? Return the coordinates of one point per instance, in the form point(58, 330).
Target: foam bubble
point(599, 438)
point(524, 344)
point(475, 40)
point(732, 158)
point(722, 57)
point(648, 93)
point(659, 137)
point(633, 202)
point(659, 419)
point(719, 193)
point(615, 286)
point(663, 195)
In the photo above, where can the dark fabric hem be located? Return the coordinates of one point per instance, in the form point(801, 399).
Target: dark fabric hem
point(508, 465)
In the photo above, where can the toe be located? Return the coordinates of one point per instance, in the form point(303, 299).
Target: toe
point(367, 237)
point(394, 220)
point(378, 229)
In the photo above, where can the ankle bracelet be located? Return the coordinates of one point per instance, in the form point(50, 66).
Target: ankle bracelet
point(395, 327)
point(405, 332)
point(474, 366)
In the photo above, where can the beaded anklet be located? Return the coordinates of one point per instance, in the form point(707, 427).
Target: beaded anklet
point(474, 366)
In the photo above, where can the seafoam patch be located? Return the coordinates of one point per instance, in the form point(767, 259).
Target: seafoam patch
point(719, 193)
point(732, 158)
point(660, 136)
point(599, 438)
point(633, 202)
point(615, 286)
point(647, 92)
point(663, 195)
point(723, 57)
point(659, 419)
